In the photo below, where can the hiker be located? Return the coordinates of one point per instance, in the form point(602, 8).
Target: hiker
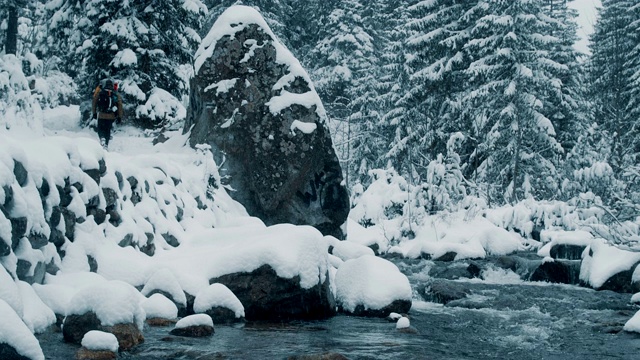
point(107, 108)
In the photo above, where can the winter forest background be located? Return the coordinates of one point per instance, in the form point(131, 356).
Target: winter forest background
point(461, 104)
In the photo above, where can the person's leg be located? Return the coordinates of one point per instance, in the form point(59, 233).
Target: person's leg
point(108, 126)
point(103, 131)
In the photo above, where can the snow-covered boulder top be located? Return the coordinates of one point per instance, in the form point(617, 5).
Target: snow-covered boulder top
point(255, 105)
point(292, 251)
point(15, 333)
point(100, 340)
point(113, 302)
point(194, 320)
point(217, 295)
point(371, 283)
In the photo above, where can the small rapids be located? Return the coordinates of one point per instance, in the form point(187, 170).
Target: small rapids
point(499, 318)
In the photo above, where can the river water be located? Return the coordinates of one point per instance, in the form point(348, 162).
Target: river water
point(501, 318)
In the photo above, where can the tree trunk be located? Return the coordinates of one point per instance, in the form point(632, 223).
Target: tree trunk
point(11, 41)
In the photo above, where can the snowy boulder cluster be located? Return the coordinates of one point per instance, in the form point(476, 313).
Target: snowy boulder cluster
point(255, 105)
point(98, 242)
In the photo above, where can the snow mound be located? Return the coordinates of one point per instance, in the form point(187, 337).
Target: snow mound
point(9, 292)
point(158, 306)
point(17, 335)
point(370, 281)
point(288, 249)
point(218, 295)
point(114, 302)
point(56, 297)
point(99, 341)
point(165, 281)
point(194, 320)
point(403, 323)
point(37, 315)
point(558, 237)
point(346, 250)
point(633, 325)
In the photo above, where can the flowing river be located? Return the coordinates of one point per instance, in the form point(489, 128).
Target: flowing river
point(500, 318)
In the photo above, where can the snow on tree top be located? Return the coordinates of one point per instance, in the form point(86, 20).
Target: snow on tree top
point(235, 19)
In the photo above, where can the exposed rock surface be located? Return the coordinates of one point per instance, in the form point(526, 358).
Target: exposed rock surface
point(266, 296)
point(86, 354)
point(7, 352)
point(252, 102)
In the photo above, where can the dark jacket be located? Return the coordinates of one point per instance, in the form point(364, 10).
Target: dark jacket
point(108, 116)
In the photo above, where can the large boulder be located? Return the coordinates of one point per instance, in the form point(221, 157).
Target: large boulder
point(267, 296)
point(255, 105)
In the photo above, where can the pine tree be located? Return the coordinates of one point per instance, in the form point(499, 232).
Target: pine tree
point(612, 88)
point(145, 45)
point(510, 74)
point(344, 61)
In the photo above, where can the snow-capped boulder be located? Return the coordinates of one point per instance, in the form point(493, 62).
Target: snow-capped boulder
point(605, 267)
point(16, 340)
point(112, 307)
point(160, 311)
point(267, 296)
point(372, 286)
point(198, 325)
point(164, 282)
point(219, 303)
point(98, 345)
point(252, 101)
point(633, 325)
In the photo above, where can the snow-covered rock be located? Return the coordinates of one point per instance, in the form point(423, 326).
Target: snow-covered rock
point(198, 325)
point(372, 286)
point(99, 340)
point(605, 267)
point(37, 315)
point(269, 125)
point(112, 307)
point(16, 340)
point(159, 309)
point(633, 325)
point(164, 282)
point(219, 303)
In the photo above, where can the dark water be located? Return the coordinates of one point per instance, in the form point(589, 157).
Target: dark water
point(496, 321)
